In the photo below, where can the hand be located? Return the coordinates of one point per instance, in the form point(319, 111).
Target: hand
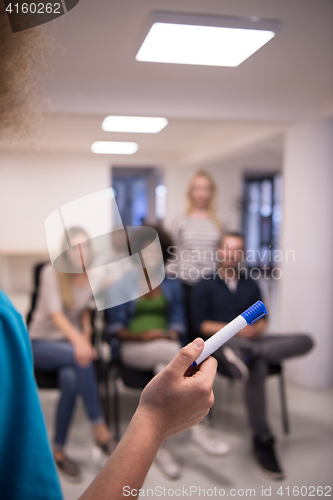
point(153, 334)
point(84, 352)
point(179, 397)
point(87, 335)
point(172, 335)
point(250, 332)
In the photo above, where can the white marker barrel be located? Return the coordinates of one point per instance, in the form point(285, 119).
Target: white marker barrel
point(220, 337)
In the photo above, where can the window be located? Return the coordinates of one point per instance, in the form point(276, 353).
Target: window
point(140, 195)
point(262, 217)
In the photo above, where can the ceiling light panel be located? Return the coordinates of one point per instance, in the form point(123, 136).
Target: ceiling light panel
point(137, 124)
point(204, 40)
point(114, 148)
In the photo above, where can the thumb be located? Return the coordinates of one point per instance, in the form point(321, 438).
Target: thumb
point(187, 355)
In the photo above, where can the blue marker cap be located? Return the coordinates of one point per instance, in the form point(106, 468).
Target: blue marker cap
point(254, 312)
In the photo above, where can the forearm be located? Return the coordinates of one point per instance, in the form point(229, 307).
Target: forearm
point(86, 324)
point(261, 325)
point(208, 328)
point(171, 334)
point(66, 327)
point(173, 401)
point(253, 331)
point(129, 463)
point(125, 334)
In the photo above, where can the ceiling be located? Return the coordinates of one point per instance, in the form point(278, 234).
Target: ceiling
point(213, 111)
point(182, 142)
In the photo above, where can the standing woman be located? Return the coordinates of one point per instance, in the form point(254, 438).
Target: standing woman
point(197, 235)
point(60, 331)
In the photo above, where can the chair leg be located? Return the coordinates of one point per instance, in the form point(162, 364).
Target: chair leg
point(107, 396)
point(229, 401)
point(285, 419)
point(116, 404)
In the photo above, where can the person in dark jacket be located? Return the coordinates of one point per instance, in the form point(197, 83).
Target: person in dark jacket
point(216, 301)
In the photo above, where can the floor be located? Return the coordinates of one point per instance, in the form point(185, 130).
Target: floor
point(306, 454)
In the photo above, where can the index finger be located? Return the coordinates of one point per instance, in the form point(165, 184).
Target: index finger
point(206, 370)
point(208, 366)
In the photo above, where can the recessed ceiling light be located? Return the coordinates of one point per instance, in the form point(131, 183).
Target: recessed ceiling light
point(140, 124)
point(114, 148)
point(204, 40)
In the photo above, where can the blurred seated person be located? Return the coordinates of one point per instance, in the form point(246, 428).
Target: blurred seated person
point(152, 330)
point(60, 331)
point(217, 300)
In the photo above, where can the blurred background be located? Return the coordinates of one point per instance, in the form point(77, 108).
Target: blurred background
point(263, 130)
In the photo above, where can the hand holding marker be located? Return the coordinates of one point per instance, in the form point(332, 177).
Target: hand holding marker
point(248, 317)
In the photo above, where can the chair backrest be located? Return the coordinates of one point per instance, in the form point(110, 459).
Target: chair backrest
point(46, 379)
point(34, 296)
point(135, 379)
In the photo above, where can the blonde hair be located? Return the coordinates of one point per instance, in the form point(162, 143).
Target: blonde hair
point(212, 205)
point(66, 279)
point(66, 289)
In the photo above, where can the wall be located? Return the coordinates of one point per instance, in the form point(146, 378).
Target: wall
point(307, 283)
point(34, 185)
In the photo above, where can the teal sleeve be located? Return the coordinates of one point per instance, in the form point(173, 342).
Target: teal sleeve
point(27, 468)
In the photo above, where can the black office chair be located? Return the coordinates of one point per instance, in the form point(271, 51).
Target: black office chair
point(44, 379)
point(131, 378)
point(36, 279)
point(275, 369)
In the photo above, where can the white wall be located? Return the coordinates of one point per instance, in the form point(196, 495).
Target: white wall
point(307, 284)
point(176, 179)
point(34, 185)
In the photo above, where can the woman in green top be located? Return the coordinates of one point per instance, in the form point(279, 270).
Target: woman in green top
point(149, 341)
point(151, 328)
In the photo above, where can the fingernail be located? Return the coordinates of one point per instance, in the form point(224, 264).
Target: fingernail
point(198, 342)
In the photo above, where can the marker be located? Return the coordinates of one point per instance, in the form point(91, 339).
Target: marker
point(248, 317)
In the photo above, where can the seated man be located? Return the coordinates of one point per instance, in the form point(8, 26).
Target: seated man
point(217, 300)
